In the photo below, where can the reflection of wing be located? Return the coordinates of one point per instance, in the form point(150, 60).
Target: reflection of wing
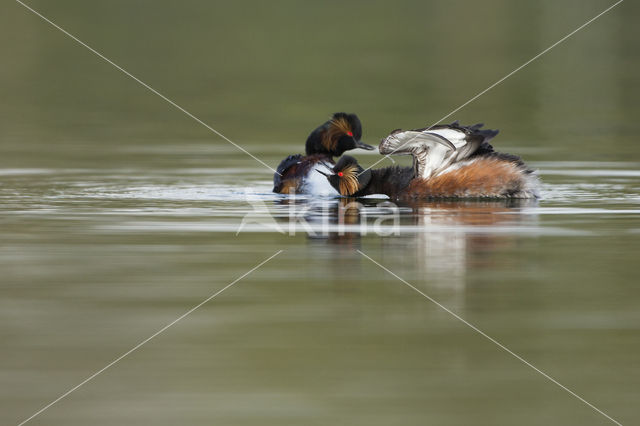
point(438, 147)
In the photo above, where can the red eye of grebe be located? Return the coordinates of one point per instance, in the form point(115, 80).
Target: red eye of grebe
point(340, 174)
point(350, 134)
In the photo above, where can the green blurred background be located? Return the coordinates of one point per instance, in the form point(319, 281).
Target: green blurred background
point(266, 73)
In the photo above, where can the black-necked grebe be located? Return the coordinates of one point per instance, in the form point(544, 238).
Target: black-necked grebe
point(449, 161)
point(296, 172)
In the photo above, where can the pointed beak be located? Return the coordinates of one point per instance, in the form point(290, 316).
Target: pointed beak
point(323, 173)
point(363, 145)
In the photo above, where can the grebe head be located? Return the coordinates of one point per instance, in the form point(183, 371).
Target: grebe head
point(348, 177)
point(339, 134)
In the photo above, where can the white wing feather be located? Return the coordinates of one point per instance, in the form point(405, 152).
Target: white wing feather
point(432, 150)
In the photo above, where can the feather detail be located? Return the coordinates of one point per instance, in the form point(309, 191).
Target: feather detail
point(338, 127)
point(349, 184)
point(480, 178)
point(435, 149)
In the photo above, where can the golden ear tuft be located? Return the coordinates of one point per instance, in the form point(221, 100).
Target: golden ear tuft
point(338, 127)
point(341, 124)
point(349, 184)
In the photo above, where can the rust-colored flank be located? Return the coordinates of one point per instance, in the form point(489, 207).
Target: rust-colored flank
point(484, 177)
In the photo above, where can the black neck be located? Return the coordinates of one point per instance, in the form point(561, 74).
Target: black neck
point(387, 180)
point(314, 142)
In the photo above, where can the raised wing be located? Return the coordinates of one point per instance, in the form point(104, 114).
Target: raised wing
point(438, 147)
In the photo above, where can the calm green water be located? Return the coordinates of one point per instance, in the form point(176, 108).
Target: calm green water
point(118, 214)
